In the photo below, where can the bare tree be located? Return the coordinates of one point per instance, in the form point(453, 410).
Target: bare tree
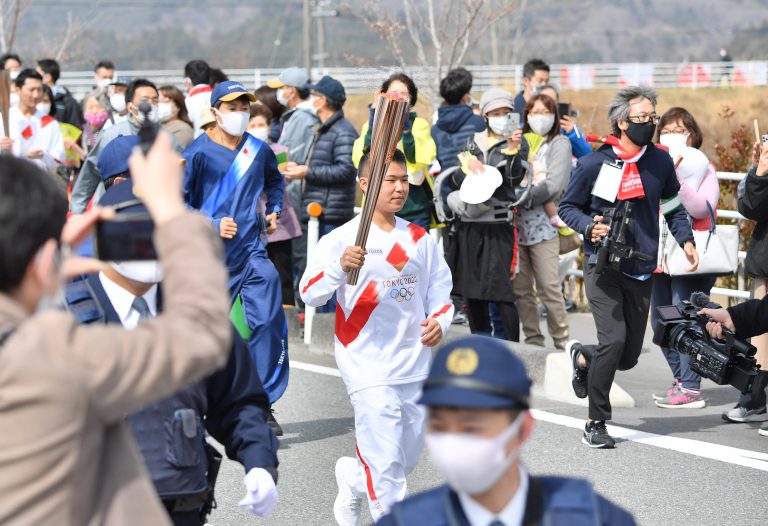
point(433, 36)
point(11, 12)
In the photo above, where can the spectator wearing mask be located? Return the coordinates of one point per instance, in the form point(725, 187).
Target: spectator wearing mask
point(104, 73)
point(172, 113)
point(297, 119)
point(550, 157)
point(280, 238)
point(67, 108)
point(268, 96)
point(535, 75)
point(11, 63)
point(33, 134)
point(477, 398)
point(753, 204)
point(456, 122)
point(230, 404)
point(483, 256)
point(96, 115)
point(197, 75)
point(118, 109)
point(699, 193)
point(88, 183)
point(227, 170)
point(67, 451)
point(579, 145)
point(328, 173)
point(419, 148)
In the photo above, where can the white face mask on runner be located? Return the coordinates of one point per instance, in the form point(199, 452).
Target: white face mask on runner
point(233, 123)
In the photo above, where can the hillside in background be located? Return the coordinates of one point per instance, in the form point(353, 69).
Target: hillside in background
point(166, 33)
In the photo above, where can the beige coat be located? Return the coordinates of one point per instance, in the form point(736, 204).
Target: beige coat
point(67, 457)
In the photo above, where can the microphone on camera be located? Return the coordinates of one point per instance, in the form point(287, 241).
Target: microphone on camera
point(702, 301)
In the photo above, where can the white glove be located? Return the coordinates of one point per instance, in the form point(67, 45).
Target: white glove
point(260, 492)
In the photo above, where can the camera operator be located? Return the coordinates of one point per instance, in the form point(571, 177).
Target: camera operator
point(753, 204)
point(626, 169)
point(66, 449)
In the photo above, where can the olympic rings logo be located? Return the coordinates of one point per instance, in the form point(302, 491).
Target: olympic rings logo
point(402, 294)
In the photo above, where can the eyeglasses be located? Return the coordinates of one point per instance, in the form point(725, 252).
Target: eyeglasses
point(674, 130)
point(540, 112)
point(644, 118)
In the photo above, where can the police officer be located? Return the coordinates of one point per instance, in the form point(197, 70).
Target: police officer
point(230, 405)
point(477, 396)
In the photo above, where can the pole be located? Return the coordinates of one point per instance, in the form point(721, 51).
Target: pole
point(313, 235)
point(308, 37)
point(320, 42)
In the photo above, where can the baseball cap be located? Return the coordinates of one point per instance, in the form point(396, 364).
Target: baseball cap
point(114, 157)
point(230, 90)
point(121, 81)
point(496, 98)
point(330, 87)
point(477, 372)
point(289, 77)
point(206, 117)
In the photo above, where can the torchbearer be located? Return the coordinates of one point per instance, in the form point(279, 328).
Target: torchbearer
point(385, 326)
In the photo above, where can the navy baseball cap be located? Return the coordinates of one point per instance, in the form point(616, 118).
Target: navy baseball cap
point(477, 372)
point(114, 157)
point(124, 198)
point(330, 87)
point(230, 90)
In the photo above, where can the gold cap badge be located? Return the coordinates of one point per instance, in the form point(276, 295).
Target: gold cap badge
point(462, 361)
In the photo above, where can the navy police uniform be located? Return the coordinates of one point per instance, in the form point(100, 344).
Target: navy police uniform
point(481, 373)
point(231, 405)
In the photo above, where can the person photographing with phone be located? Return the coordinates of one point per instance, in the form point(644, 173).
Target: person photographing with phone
point(227, 170)
point(66, 449)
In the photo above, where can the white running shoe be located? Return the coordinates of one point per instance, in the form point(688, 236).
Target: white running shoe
point(347, 507)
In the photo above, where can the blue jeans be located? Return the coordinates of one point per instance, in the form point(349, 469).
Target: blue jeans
point(671, 291)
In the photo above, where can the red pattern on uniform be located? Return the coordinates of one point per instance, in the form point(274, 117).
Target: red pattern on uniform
point(312, 282)
point(45, 120)
point(27, 132)
point(417, 232)
point(398, 257)
point(348, 328)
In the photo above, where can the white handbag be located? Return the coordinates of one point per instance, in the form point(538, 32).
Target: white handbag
point(718, 250)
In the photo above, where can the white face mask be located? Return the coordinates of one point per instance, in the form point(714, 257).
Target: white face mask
point(45, 107)
point(282, 99)
point(166, 111)
point(13, 74)
point(469, 463)
point(541, 124)
point(141, 271)
point(260, 133)
point(103, 83)
point(234, 123)
point(496, 124)
point(153, 114)
point(311, 106)
point(117, 101)
point(15, 99)
point(674, 141)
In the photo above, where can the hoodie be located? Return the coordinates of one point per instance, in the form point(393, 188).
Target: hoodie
point(455, 127)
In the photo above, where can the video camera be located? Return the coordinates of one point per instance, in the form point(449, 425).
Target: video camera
point(731, 362)
point(613, 247)
point(129, 236)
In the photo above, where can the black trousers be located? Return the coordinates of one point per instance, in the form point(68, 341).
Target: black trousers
point(281, 255)
point(620, 306)
point(480, 321)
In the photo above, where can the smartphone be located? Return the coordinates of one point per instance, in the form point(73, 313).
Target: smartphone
point(563, 109)
point(126, 237)
point(764, 139)
point(512, 124)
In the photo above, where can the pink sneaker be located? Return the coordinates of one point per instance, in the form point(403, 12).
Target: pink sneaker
point(669, 392)
point(683, 399)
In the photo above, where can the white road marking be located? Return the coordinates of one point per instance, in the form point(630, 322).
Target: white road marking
point(699, 448)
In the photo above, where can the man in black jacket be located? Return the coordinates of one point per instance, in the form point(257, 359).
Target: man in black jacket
point(628, 168)
point(328, 172)
point(753, 204)
point(67, 108)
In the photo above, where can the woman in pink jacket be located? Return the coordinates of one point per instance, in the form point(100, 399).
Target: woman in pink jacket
point(678, 129)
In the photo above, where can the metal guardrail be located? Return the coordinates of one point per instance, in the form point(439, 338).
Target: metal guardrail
point(726, 214)
point(567, 76)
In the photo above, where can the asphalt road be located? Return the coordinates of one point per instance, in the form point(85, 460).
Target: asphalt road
point(672, 468)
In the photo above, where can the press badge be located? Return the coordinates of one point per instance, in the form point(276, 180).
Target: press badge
point(608, 181)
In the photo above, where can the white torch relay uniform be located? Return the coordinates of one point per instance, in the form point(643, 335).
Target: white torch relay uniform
point(39, 131)
point(382, 361)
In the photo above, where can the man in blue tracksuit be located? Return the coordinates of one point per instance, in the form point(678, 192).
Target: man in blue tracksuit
point(477, 395)
point(227, 170)
point(626, 169)
point(230, 405)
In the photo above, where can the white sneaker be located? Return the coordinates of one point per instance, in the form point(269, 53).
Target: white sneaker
point(347, 507)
